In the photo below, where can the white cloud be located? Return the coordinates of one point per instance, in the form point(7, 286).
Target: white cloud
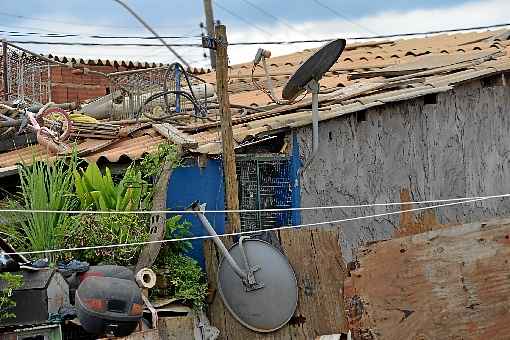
point(476, 13)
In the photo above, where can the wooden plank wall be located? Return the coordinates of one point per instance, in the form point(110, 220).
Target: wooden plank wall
point(450, 283)
point(317, 261)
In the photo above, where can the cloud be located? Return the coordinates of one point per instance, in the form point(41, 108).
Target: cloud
point(475, 13)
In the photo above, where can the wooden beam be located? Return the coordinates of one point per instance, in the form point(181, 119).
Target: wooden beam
point(177, 137)
point(229, 160)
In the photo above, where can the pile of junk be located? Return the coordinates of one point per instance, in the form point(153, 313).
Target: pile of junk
point(78, 301)
point(137, 100)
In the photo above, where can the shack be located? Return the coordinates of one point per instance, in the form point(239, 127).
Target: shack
point(400, 121)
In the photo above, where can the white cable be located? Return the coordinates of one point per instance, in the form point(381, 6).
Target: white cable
point(99, 212)
point(245, 232)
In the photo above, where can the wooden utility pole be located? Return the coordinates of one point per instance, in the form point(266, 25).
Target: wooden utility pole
point(209, 23)
point(227, 139)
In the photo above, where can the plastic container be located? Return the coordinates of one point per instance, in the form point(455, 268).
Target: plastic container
point(117, 272)
point(109, 306)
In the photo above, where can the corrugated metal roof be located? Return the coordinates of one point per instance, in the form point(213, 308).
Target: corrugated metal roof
point(366, 75)
point(442, 284)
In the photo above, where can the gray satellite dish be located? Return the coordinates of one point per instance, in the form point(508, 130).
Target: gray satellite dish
point(262, 292)
point(313, 69)
point(307, 77)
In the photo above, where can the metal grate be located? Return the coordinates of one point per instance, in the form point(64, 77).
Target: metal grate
point(28, 76)
point(131, 88)
point(264, 183)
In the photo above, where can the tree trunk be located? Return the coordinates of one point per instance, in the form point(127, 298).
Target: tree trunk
point(157, 223)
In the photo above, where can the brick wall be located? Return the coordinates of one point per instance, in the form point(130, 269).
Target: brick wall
point(71, 85)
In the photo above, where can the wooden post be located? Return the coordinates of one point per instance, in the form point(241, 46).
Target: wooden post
point(209, 24)
point(227, 139)
point(4, 64)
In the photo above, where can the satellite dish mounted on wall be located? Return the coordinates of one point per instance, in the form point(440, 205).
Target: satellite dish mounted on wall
point(256, 282)
point(307, 77)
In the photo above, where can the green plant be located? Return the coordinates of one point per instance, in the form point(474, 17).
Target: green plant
point(184, 280)
point(99, 192)
point(9, 282)
point(102, 230)
point(44, 186)
point(151, 164)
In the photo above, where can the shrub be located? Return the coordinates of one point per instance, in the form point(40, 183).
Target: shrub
point(102, 230)
point(10, 282)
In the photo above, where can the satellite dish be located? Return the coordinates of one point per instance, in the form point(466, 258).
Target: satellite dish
point(269, 307)
point(256, 282)
point(313, 69)
point(307, 77)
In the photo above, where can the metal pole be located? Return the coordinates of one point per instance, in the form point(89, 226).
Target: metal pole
point(151, 30)
point(209, 23)
point(223, 250)
point(314, 87)
point(4, 62)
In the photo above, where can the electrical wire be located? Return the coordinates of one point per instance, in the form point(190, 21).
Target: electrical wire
point(282, 42)
point(150, 29)
point(355, 206)
point(268, 14)
point(235, 15)
point(62, 43)
point(74, 35)
point(249, 232)
point(343, 17)
point(74, 23)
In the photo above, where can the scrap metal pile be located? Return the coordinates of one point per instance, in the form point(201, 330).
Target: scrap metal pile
point(137, 98)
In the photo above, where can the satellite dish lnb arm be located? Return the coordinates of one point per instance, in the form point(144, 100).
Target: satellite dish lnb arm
point(198, 208)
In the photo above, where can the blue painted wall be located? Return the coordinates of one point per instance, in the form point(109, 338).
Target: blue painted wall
point(190, 183)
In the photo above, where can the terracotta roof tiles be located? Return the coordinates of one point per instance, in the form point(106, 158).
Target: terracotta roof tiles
point(367, 74)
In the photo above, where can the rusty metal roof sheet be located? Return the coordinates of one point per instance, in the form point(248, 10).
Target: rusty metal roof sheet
point(129, 148)
point(442, 284)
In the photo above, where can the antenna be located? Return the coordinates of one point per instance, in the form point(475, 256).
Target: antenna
point(255, 280)
point(307, 78)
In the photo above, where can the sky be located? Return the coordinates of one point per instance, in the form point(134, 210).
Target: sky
point(246, 21)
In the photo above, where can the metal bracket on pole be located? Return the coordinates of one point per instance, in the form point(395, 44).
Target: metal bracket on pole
point(199, 208)
point(247, 276)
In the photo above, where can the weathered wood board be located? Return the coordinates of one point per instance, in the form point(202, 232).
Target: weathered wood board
point(317, 261)
point(450, 283)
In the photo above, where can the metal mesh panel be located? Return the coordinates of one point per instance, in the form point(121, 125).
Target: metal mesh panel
point(132, 88)
point(27, 77)
point(264, 183)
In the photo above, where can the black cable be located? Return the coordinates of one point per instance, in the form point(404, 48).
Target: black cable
point(268, 42)
point(268, 14)
point(343, 17)
point(196, 106)
point(235, 15)
point(36, 42)
point(71, 23)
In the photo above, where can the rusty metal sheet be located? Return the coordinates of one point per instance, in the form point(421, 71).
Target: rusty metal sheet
point(449, 283)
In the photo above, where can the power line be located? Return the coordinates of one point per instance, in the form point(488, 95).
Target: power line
point(282, 42)
point(343, 17)
point(249, 232)
point(268, 14)
point(150, 29)
point(63, 43)
point(315, 208)
point(242, 19)
point(72, 23)
point(73, 35)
